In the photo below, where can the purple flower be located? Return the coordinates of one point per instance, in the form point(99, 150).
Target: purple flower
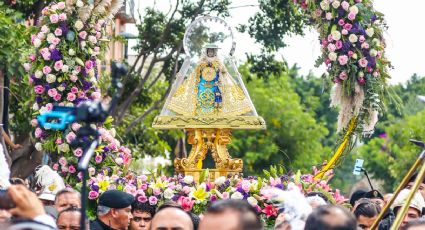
point(39, 99)
point(55, 55)
point(93, 195)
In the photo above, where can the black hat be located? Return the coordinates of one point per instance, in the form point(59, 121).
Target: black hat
point(115, 199)
point(374, 194)
point(413, 178)
point(356, 196)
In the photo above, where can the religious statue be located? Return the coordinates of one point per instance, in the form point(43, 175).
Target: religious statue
point(210, 90)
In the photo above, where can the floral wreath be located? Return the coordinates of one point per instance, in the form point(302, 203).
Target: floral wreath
point(352, 48)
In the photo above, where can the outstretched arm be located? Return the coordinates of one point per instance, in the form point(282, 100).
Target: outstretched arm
point(9, 142)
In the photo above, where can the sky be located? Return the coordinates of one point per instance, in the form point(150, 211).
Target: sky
point(405, 37)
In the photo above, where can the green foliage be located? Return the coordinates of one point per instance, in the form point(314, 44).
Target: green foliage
point(293, 137)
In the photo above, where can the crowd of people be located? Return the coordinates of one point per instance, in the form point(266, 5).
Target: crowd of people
point(21, 208)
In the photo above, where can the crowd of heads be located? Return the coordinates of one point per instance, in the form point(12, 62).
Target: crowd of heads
point(55, 208)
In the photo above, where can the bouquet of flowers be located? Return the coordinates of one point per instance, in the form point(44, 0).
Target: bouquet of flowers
point(64, 70)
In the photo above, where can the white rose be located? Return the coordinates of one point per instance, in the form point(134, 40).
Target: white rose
point(336, 35)
point(354, 9)
point(37, 42)
point(50, 37)
point(61, 88)
point(336, 4)
point(370, 32)
point(83, 44)
point(79, 3)
point(35, 106)
point(361, 74)
point(373, 52)
point(113, 132)
point(50, 78)
point(168, 194)
point(63, 147)
point(324, 5)
point(354, 56)
point(65, 68)
point(219, 181)
point(70, 104)
point(78, 25)
point(43, 109)
point(71, 52)
point(252, 201)
point(376, 42)
point(332, 56)
point(236, 196)
point(38, 74)
point(38, 146)
point(352, 38)
point(179, 187)
point(188, 179)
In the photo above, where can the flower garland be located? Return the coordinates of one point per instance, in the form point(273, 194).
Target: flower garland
point(64, 71)
point(352, 47)
point(196, 197)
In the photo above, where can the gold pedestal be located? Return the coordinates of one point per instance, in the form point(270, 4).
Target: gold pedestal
point(202, 141)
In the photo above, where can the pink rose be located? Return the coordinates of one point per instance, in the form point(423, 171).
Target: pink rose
point(55, 167)
point(351, 16)
point(376, 74)
point(142, 199)
point(38, 132)
point(327, 61)
point(186, 203)
point(143, 178)
point(73, 78)
point(98, 158)
point(345, 5)
point(330, 39)
point(350, 53)
point(95, 95)
point(47, 70)
point(338, 44)
point(343, 76)
point(92, 39)
point(144, 186)
point(89, 64)
point(328, 16)
point(344, 32)
point(75, 126)
point(186, 189)
point(226, 195)
point(365, 45)
point(45, 29)
point(32, 57)
point(70, 137)
point(82, 34)
point(348, 26)
point(58, 65)
point(78, 152)
point(54, 18)
point(49, 106)
point(74, 89)
point(57, 97)
point(38, 89)
point(58, 32)
point(98, 35)
point(62, 161)
point(71, 97)
point(361, 81)
point(62, 17)
point(52, 92)
point(153, 200)
point(45, 11)
point(156, 191)
point(362, 62)
point(331, 47)
point(34, 122)
point(27, 66)
point(97, 27)
point(56, 41)
point(58, 141)
point(343, 59)
point(71, 169)
point(93, 195)
point(61, 5)
point(341, 22)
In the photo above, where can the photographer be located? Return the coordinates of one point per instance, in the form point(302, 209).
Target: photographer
point(28, 206)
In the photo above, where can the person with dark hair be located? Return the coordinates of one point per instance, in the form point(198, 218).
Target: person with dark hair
point(67, 198)
point(415, 225)
point(230, 214)
point(366, 212)
point(421, 188)
point(356, 196)
point(142, 215)
point(375, 196)
point(170, 218)
point(69, 219)
point(330, 217)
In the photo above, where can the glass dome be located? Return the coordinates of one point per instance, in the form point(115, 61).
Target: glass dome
point(208, 91)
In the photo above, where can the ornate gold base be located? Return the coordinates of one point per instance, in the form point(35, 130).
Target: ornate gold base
point(203, 140)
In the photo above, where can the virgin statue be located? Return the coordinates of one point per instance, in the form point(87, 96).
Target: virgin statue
point(210, 90)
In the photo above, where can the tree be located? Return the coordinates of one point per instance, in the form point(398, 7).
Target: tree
point(293, 138)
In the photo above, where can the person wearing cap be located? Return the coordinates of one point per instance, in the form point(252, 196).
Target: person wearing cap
point(375, 196)
point(415, 207)
point(113, 211)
